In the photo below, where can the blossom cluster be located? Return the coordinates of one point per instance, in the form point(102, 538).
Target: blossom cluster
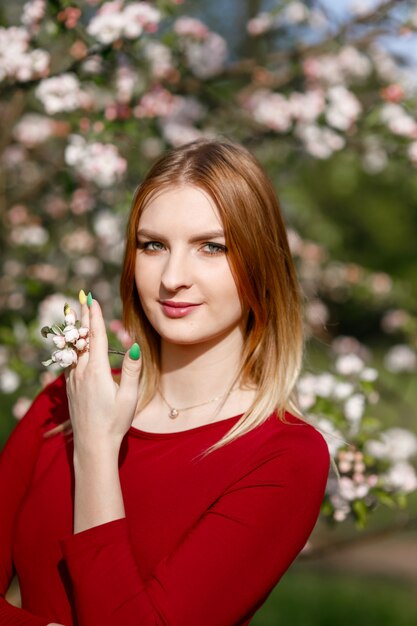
point(205, 51)
point(374, 465)
point(17, 61)
point(69, 338)
point(113, 21)
point(62, 93)
point(340, 107)
point(97, 162)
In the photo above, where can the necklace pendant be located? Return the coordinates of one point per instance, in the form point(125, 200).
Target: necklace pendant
point(173, 413)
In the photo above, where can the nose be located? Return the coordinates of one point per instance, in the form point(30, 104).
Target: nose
point(176, 273)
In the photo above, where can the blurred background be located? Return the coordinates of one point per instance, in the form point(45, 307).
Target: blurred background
point(324, 93)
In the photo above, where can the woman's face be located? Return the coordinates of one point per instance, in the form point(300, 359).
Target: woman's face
point(178, 260)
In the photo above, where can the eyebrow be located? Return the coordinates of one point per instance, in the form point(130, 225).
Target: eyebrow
point(212, 234)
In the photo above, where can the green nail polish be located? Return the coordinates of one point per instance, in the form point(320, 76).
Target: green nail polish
point(89, 299)
point(134, 352)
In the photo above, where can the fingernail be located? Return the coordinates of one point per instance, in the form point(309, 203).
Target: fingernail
point(82, 297)
point(134, 351)
point(89, 299)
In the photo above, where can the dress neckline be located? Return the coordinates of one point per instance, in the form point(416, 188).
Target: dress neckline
point(138, 432)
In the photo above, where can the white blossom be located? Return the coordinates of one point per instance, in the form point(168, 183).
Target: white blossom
point(97, 162)
point(369, 374)
point(398, 121)
point(31, 235)
point(206, 58)
point(295, 12)
point(260, 24)
point(160, 59)
point(112, 21)
point(65, 357)
point(395, 444)
point(107, 27)
point(32, 13)
point(348, 364)
point(33, 129)
point(71, 334)
point(271, 109)
point(401, 358)
point(354, 407)
point(139, 17)
point(190, 27)
point(350, 490)
point(342, 390)
point(17, 61)
point(9, 380)
point(62, 93)
point(50, 309)
point(402, 477)
point(319, 141)
point(307, 106)
point(81, 344)
point(59, 341)
point(343, 109)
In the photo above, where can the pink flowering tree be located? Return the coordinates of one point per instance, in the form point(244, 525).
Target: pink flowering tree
point(93, 92)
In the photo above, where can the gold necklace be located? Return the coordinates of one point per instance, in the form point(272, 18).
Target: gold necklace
point(175, 412)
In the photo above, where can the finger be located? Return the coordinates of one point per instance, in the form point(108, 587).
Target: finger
point(98, 347)
point(85, 317)
point(83, 357)
point(129, 381)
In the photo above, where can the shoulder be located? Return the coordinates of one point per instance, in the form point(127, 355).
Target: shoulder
point(293, 447)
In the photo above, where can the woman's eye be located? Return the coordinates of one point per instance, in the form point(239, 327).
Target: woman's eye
point(145, 245)
point(218, 249)
point(153, 246)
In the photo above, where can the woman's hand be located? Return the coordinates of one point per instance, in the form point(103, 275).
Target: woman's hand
point(101, 411)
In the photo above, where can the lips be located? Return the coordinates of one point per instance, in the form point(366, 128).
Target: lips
point(173, 303)
point(177, 309)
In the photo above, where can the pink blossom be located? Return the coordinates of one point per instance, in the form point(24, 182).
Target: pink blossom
point(65, 357)
point(81, 344)
point(97, 162)
point(71, 334)
point(260, 24)
point(158, 102)
point(206, 58)
point(20, 407)
point(62, 93)
point(190, 27)
point(271, 109)
point(70, 317)
point(16, 60)
point(59, 341)
point(33, 129)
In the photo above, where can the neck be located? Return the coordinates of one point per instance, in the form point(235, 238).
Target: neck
point(199, 372)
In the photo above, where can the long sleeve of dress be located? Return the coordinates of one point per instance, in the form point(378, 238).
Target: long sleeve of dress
point(225, 566)
point(17, 461)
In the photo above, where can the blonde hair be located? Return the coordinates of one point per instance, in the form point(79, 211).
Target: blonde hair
point(262, 266)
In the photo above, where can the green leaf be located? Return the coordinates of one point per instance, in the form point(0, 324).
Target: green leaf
point(361, 513)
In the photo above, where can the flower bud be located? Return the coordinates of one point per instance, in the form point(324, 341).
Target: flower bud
point(70, 317)
point(71, 334)
point(65, 357)
point(81, 344)
point(59, 341)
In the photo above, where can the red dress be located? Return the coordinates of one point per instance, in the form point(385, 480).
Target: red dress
point(203, 542)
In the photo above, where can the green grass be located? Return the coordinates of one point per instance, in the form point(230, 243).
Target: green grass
point(310, 596)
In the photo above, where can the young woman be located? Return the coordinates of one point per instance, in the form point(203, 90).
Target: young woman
point(189, 481)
